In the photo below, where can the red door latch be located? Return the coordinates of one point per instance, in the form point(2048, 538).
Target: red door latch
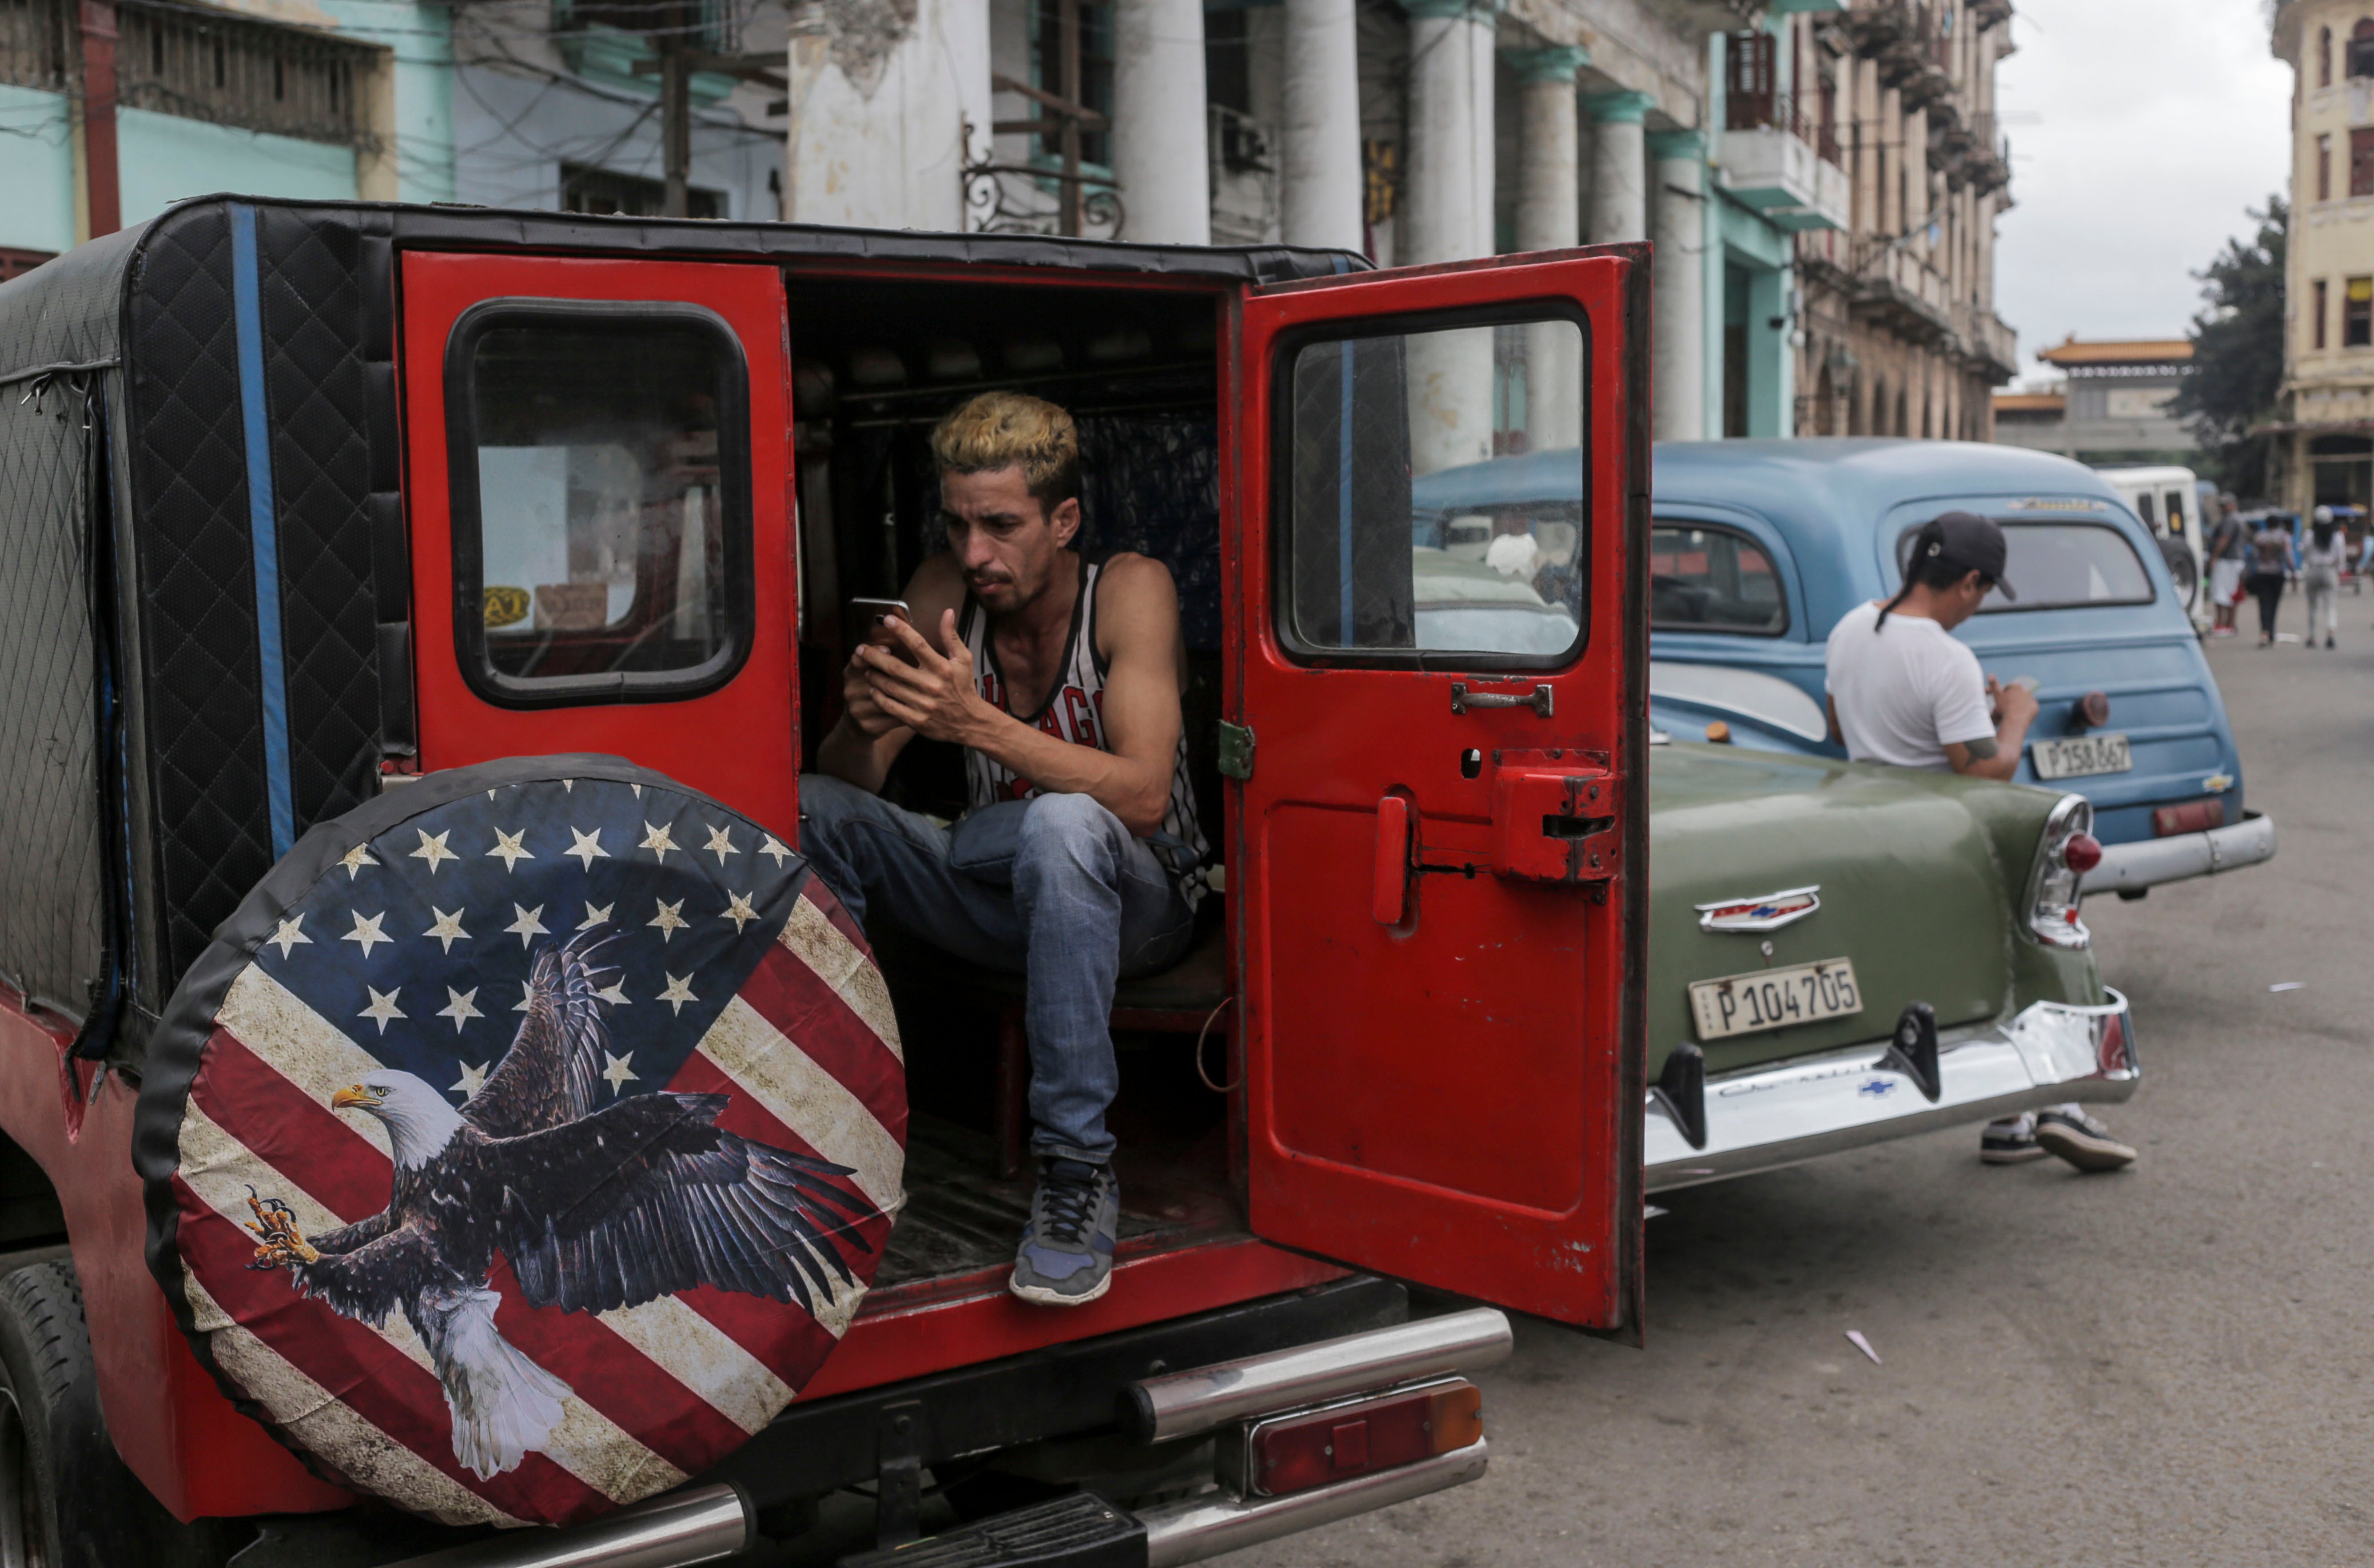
point(1554, 816)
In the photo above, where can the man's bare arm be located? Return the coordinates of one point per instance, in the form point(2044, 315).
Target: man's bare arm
point(1996, 758)
point(862, 746)
point(1139, 608)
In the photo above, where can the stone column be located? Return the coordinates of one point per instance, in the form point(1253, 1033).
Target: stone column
point(1160, 149)
point(1446, 216)
point(1619, 169)
point(1549, 218)
point(1321, 180)
point(1678, 353)
point(878, 113)
point(1447, 200)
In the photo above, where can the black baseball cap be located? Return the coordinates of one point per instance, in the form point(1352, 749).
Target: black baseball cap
point(1964, 542)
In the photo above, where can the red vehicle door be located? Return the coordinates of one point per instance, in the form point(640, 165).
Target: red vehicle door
point(1441, 834)
point(598, 496)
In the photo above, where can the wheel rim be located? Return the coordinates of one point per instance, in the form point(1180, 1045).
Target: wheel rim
point(21, 1496)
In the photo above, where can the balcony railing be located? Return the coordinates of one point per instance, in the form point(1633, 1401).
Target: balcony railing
point(35, 36)
point(201, 65)
point(1779, 112)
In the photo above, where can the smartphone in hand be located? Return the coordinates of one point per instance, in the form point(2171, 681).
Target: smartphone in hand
point(875, 615)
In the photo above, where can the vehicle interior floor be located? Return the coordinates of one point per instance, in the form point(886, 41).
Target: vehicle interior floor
point(961, 1222)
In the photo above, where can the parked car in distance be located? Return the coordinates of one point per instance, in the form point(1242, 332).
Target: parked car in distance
point(1762, 545)
point(2167, 499)
point(1759, 546)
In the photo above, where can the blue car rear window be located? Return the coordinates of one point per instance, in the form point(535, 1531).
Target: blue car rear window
point(2057, 566)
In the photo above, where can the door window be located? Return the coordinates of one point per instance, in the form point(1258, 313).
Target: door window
point(1434, 495)
point(1712, 579)
point(601, 500)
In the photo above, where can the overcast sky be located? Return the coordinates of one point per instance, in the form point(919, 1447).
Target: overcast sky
point(2140, 131)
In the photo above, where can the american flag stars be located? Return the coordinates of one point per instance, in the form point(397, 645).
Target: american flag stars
point(507, 848)
point(367, 932)
point(448, 928)
point(670, 919)
point(527, 923)
point(382, 1008)
point(419, 902)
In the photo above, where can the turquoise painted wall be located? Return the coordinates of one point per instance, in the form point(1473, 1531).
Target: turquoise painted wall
point(421, 37)
point(1739, 237)
point(36, 171)
point(165, 157)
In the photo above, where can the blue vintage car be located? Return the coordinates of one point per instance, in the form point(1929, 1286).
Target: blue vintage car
point(1760, 546)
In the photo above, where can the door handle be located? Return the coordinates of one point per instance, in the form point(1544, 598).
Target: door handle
point(1539, 699)
point(1389, 897)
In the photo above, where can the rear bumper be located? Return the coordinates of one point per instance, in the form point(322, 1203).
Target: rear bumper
point(1766, 1117)
point(2147, 862)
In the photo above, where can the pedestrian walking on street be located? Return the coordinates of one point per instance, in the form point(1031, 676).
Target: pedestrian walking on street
point(2321, 563)
point(2270, 562)
point(2228, 542)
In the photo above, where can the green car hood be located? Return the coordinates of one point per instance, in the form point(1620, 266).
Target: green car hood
point(1919, 877)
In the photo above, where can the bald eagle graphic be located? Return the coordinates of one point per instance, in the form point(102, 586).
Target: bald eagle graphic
point(596, 1206)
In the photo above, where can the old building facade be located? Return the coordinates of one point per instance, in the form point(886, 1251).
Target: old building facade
point(1419, 132)
point(1900, 336)
point(2324, 427)
point(1811, 276)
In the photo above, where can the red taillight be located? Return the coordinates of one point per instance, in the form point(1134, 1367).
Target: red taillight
point(2082, 852)
point(1297, 1453)
point(2194, 817)
point(2110, 1046)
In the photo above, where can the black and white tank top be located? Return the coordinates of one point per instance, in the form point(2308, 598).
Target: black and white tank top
point(1074, 711)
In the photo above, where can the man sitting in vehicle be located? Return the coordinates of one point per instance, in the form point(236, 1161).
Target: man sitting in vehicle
point(1079, 860)
point(1903, 690)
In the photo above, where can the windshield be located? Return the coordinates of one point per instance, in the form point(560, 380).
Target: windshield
point(2055, 565)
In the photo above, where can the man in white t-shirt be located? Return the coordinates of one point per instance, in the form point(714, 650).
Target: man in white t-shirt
point(1905, 691)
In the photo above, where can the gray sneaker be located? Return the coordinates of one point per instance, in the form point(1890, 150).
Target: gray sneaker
point(2081, 1140)
point(1067, 1249)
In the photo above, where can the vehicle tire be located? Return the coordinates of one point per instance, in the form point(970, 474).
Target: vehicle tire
point(2180, 567)
point(66, 1499)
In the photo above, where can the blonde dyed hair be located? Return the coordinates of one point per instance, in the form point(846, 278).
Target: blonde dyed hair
point(1005, 429)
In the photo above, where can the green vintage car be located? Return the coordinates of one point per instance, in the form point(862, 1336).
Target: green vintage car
point(1841, 953)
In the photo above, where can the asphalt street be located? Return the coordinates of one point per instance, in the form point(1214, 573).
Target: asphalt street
point(2167, 1365)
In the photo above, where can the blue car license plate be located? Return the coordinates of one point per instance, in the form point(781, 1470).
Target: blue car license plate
point(2081, 754)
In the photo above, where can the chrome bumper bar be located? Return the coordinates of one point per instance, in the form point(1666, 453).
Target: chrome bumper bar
point(2147, 862)
point(1180, 1404)
point(1765, 1118)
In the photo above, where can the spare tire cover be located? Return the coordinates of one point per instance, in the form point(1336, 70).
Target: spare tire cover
point(526, 1142)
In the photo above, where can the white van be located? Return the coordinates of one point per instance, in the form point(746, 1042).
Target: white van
point(2168, 499)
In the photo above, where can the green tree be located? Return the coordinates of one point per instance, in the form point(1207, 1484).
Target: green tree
point(2238, 355)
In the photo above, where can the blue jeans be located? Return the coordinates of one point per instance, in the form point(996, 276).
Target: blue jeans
point(1088, 904)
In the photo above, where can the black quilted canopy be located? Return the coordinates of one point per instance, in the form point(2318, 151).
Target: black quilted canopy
point(135, 812)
